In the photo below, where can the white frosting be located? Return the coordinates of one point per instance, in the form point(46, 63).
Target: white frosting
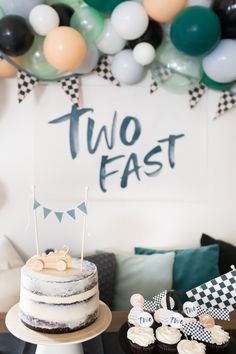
point(168, 335)
point(190, 347)
point(59, 313)
point(59, 300)
point(218, 335)
point(141, 336)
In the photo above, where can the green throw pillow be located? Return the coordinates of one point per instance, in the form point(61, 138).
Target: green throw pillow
point(192, 266)
point(146, 275)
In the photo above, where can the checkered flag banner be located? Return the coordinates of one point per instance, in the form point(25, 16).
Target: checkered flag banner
point(25, 83)
point(71, 86)
point(219, 292)
point(216, 313)
point(103, 70)
point(197, 331)
point(150, 306)
point(196, 94)
point(227, 102)
point(154, 87)
point(159, 297)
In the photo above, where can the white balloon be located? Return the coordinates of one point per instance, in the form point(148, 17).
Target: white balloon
point(206, 3)
point(220, 64)
point(125, 69)
point(90, 61)
point(144, 53)
point(19, 7)
point(129, 19)
point(43, 18)
point(110, 42)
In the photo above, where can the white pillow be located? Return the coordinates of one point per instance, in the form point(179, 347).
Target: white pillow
point(9, 258)
point(10, 288)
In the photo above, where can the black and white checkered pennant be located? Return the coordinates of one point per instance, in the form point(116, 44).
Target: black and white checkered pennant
point(159, 297)
point(227, 102)
point(71, 86)
point(197, 331)
point(219, 292)
point(196, 94)
point(154, 86)
point(103, 70)
point(150, 306)
point(25, 83)
point(216, 313)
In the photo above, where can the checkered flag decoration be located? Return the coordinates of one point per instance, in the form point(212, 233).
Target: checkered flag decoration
point(154, 87)
point(197, 331)
point(25, 83)
point(196, 94)
point(219, 292)
point(216, 313)
point(158, 298)
point(227, 102)
point(71, 86)
point(103, 70)
point(150, 306)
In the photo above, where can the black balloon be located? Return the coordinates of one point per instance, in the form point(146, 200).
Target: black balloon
point(16, 36)
point(152, 35)
point(226, 11)
point(64, 12)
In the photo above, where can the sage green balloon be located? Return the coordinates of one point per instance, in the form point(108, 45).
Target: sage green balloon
point(75, 4)
point(89, 22)
point(175, 71)
point(35, 62)
point(2, 14)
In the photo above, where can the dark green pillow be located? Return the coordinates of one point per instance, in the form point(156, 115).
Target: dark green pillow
point(192, 266)
point(227, 256)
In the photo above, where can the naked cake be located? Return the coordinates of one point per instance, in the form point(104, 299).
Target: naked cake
point(58, 299)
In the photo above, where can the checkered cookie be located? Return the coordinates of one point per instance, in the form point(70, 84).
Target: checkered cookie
point(197, 331)
point(71, 87)
point(150, 306)
point(196, 94)
point(25, 83)
point(103, 70)
point(219, 292)
point(227, 102)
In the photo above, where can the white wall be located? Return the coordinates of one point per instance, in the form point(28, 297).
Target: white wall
point(113, 223)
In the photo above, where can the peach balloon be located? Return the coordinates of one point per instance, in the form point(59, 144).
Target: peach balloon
point(7, 69)
point(164, 10)
point(64, 48)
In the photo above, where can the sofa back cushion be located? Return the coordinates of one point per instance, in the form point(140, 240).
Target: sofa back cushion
point(146, 275)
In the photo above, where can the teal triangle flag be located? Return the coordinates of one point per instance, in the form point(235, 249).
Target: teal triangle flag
point(82, 207)
point(59, 215)
point(71, 213)
point(36, 205)
point(46, 212)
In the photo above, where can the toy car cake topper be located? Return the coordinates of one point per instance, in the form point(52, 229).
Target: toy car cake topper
point(57, 259)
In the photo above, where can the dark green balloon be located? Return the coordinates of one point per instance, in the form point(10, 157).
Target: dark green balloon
point(196, 30)
point(216, 85)
point(105, 6)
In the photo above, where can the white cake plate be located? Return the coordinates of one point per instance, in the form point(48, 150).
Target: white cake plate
point(68, 343)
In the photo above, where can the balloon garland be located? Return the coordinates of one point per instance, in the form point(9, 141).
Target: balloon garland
point(183, 43)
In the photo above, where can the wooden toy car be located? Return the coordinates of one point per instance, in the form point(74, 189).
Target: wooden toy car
point(59, 260)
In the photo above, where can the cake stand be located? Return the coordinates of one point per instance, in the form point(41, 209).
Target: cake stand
point(68, 343)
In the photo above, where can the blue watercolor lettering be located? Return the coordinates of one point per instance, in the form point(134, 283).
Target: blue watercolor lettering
point(149, 162)
point(103, 175)
point(123, 130)
point(171, 147)
point(127, 171)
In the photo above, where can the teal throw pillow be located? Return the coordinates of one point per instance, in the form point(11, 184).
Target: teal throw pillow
point(192, 266)
point(146, 275)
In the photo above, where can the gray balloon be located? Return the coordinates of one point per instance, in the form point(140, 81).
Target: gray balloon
point(19, 7)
